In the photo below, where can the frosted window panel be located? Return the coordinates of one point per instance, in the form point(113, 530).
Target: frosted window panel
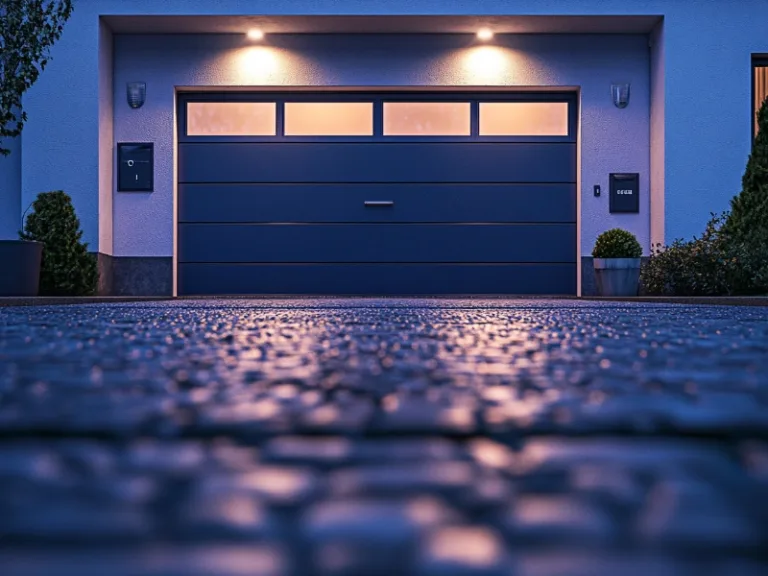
point(329, 119)
point(523, 119)
point(427, 118)
point(231, 118)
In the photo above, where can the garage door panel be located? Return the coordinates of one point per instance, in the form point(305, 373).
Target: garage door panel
point(347, 203)
point(377, 243)
point(377, 162)
point(377, 279)
point(413, 203)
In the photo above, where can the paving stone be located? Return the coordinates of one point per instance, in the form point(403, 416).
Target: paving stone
point(580, 563)
point(124, 490)
point(754, 455)
point(87, 457)
point(730, 413)
point(541, 519)
point(205, 560)
point(692, 513)
point(314, 451)
point(278, 486)
point(66, 519)
point(30, 461)
point(335, 418)
point(488, 493)
point(443, 478)
point(261, 416)
point(464, 551)
point(614, 487)
point(334, 451)
point(307, 430)
point(658, 456)
point(155, 457)
point(224, 515)
point(354, 536)
point(491, 454)
point(223, 454)
point(416, 414)
point(439, 351)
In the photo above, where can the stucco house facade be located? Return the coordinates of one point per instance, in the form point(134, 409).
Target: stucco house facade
point(386, 146)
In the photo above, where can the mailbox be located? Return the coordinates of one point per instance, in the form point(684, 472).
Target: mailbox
point(135, 167)
point(624, 193)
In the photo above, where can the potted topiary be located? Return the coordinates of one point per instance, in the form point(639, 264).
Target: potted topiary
point(67, 269)
point(617, 263)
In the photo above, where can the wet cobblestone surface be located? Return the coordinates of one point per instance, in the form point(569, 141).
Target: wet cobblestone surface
point(367, 437)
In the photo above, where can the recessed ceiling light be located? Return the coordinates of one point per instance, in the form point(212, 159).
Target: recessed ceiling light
point(255, 34)
point(484, 34)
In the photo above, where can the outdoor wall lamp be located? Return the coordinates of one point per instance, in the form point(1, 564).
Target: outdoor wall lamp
point(136, 93)
point(620, 95)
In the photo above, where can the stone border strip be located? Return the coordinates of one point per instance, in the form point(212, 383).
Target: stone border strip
point(682, 300)
point(9, 301)
point(687, 300)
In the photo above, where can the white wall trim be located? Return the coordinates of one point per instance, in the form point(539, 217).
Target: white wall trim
point(578, 194)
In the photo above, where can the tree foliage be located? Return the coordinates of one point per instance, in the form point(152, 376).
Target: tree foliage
point(703, 266)
point(28, 30)
point(731, 256)
point(747, 225)
point(67, 268)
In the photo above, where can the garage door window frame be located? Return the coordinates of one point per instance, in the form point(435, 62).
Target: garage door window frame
point(378, 99)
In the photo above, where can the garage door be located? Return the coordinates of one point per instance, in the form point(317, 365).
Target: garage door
point(377, 193)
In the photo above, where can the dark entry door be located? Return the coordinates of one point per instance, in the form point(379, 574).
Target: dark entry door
point(375, 194)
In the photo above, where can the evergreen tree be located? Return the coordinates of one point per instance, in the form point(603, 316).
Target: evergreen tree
point(746, 228)
point(67, 268)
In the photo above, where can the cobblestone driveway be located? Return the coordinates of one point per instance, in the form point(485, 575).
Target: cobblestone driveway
point(383, 437)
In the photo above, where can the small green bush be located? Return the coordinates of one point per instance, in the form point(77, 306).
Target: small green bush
point(617, 243)
point(704, 266)
point(67, 268)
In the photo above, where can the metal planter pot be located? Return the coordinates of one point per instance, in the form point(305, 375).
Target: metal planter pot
point(20, 267)
point(617, 276)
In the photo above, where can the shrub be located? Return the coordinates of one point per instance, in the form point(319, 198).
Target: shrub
point(67, 268)
point(705, 266)
point(617, 243)
point(746, 229)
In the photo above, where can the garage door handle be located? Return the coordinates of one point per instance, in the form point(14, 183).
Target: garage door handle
point(379, 203)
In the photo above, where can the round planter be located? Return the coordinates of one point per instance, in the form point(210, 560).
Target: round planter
point(617, 276)
point(20, 267)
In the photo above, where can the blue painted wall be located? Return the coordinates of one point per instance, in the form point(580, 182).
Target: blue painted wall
point(143, 224)
point(10, 188)
point(707, 48)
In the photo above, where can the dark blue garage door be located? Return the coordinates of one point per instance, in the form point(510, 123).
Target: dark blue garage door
point(377, 193)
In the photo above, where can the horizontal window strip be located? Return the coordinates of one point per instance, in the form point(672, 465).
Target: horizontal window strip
point(416, 115)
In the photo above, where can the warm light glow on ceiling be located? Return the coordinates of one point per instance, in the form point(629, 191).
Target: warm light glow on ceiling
point(255, 34)
point(485, 34)
point(260, 64)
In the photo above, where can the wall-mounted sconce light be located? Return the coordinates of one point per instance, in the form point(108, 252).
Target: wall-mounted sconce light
point(620, 95)
point(137, 94)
